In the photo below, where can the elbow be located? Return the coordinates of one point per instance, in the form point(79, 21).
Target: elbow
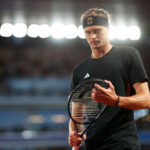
point(147, 103)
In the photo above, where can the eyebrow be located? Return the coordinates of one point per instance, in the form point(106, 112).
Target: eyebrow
point(93, 30)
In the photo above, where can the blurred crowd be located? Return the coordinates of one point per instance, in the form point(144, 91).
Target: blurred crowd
point(38, 62)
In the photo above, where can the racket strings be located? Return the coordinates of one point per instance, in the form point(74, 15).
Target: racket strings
point(82, 108)
point(86, 111)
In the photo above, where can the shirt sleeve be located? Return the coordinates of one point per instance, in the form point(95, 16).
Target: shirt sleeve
point(135, 67)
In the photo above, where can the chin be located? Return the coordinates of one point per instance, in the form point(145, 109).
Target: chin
point(97, 47)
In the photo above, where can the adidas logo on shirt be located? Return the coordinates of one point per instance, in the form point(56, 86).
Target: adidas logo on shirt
point(86, 76)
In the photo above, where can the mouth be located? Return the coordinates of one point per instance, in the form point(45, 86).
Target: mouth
point(94, 42)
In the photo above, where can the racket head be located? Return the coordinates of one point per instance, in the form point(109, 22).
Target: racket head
point(81, 108)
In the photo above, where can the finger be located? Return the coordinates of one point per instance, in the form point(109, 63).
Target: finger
point(84, 136)
point(96, 93)
point(110, 84)
point(99, 100)
point(75, 134)
point(75, 139)
point(75, 148)
point(74, 142)
point(78, 139)
point(100, 88)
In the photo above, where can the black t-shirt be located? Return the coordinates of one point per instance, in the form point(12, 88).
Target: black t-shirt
point(122, 66)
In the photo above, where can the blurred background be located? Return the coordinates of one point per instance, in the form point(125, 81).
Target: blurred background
point(41, 41)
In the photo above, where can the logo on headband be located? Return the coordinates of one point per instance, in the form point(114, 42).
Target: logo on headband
point(89, 20)
point(95, 20)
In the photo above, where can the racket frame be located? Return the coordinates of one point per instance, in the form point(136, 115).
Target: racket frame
point(95, 80)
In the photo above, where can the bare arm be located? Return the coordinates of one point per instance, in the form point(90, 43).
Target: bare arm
point(78, 110)
point(75, 129)
point(141, 100)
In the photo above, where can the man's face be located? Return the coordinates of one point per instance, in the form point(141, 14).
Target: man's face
point(97, 36)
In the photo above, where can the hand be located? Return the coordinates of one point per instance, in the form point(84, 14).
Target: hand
point(105, 96)
point(75, 140)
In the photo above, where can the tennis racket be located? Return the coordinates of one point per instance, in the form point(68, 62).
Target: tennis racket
point(81, 108)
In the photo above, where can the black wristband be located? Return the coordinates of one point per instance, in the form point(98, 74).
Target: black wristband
point(117, 101)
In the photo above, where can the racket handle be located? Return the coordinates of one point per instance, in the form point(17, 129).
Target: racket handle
point(75, 148)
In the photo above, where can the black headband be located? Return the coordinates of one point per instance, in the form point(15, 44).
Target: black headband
point(95, 20)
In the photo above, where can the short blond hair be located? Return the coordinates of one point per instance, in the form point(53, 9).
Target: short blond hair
point(96, 12)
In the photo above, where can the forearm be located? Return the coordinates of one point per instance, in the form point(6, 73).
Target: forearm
point(75, 127)
point(135, 102)
point(72, 126)
point(74, 139)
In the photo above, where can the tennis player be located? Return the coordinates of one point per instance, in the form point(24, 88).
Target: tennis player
point(123, 69)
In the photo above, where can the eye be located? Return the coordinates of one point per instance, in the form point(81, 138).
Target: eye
point(87, 32)
point(96, 31)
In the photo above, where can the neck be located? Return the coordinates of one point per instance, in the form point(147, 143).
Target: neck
point(100, 52)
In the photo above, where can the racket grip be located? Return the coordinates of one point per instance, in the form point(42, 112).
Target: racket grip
point(75, 148)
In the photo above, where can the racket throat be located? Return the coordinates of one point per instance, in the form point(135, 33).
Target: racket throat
point(85, 130)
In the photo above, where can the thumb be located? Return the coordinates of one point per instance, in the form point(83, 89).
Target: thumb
point(84, 136)
point(75, 133)
point(110, 84)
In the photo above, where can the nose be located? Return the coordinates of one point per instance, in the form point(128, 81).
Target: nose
point(93, 35)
